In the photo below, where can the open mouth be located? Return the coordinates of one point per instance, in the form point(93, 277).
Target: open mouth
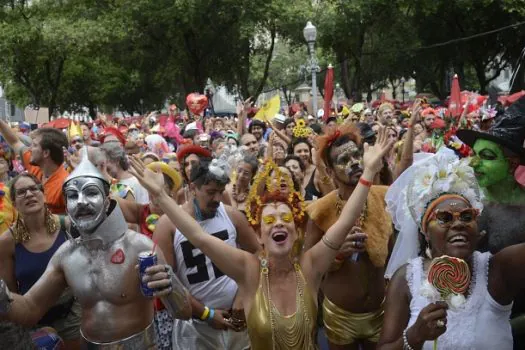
point(280, 237)
point(458, 240)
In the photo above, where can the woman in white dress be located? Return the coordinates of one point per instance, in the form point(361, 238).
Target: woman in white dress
point(435, 205)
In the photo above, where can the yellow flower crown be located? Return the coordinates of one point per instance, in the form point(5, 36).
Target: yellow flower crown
point(264, 191)
point(301, 130)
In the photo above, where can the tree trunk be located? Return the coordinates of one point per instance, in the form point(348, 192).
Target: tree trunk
point(273, 32)
point(345, 78)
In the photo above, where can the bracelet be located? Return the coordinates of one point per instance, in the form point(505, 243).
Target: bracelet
point(409, 126)
point(365, 182)
point(330, 244)
point(211, 315)
point(205, 313)
point(406, 346)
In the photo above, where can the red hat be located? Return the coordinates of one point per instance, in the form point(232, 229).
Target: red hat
point(192, 149)
point(113, 131)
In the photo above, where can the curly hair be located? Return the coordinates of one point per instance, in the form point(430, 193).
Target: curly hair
point(341, 135)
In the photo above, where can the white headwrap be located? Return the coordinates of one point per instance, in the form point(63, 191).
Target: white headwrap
point(431, 176)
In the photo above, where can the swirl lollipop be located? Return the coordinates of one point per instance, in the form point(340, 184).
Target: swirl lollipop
point(449, 276)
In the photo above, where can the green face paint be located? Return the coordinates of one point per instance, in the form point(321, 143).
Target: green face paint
point(490, 165)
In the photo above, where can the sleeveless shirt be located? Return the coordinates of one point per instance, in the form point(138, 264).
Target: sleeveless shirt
point(480, 323)
point(30, 266)
point(259, 321)
point(196, 271)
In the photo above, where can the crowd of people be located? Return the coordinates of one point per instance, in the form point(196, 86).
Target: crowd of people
point(267, 231)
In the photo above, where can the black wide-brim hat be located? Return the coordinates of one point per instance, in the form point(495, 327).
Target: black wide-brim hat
point(508, 130)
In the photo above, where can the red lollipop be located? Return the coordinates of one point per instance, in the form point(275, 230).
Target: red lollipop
point(449, 275)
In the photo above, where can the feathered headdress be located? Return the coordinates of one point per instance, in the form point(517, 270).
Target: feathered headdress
point(263, 191)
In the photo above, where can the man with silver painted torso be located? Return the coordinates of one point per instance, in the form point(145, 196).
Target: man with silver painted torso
point(100, 268)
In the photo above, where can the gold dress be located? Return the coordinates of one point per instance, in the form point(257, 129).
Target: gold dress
point(269, 330)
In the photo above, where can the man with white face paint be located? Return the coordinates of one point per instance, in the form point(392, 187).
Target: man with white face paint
point(100, 268)
point(354, 288)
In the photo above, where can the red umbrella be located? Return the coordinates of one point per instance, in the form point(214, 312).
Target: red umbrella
point(328, 91)
point(60, 123)
point(455, 98)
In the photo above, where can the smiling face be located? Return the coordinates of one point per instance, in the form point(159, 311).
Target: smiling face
point(490, 165)
point(278, 232)
point(257, 131)
point(86, 203)
point(29, 196)
point(302, 150)
point(244, 174)
point(453, 230)
point(346, 163)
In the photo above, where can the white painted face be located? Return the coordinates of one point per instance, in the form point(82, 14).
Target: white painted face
point(86, 203)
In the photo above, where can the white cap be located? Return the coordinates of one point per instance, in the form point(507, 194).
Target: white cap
point(320, 113)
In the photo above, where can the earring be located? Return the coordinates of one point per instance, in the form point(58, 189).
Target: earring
point(428, 252)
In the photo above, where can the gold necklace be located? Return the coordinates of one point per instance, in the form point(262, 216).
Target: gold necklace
point(340, 204)
point(289, 336)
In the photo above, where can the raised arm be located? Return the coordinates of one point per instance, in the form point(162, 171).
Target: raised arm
point(321, 255)
point(507, 276)
point(407, 155)
point(28, 309)
point(230, 260)
point(242, 113)
point(10, 137)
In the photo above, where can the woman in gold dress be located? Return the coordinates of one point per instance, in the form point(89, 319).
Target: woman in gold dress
point(279, 284)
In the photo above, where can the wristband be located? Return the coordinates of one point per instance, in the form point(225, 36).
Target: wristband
point(409, 126)
point(211, 315)
point(205, 313)
point(365, 182)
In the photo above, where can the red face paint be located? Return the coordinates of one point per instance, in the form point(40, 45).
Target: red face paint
point(118, 257)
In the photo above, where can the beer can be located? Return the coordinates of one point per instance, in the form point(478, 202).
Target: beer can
point(146, 259)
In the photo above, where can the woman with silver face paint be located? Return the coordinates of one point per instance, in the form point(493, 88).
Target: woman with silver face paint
point(26, 249)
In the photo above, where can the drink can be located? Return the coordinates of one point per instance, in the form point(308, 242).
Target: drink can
point(146, 259)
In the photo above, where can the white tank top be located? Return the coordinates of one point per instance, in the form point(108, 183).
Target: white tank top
point(480, 323)
point(196, 271)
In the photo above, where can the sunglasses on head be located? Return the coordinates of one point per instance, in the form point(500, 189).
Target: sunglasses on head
point(445, 218)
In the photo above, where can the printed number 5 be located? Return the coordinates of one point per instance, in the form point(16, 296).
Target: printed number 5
point(199, 261)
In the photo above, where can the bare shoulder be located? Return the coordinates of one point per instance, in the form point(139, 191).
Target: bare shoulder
point(7, 242)
point(398, 283)
point(138, 240)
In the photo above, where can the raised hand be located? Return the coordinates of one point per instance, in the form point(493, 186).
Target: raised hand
point(373, 156)
point(152, 181)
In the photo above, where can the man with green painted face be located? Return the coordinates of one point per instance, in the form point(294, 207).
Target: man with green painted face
point(494, 167)
point(498, 153)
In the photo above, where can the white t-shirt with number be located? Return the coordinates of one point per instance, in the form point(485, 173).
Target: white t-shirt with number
point(196, 271)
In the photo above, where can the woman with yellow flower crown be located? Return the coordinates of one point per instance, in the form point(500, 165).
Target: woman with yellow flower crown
point(280, 284)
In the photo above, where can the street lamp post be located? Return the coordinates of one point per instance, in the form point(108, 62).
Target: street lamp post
point(310, 34)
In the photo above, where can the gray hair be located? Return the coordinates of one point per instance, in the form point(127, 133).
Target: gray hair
point(116, 153)
point(96, 156)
